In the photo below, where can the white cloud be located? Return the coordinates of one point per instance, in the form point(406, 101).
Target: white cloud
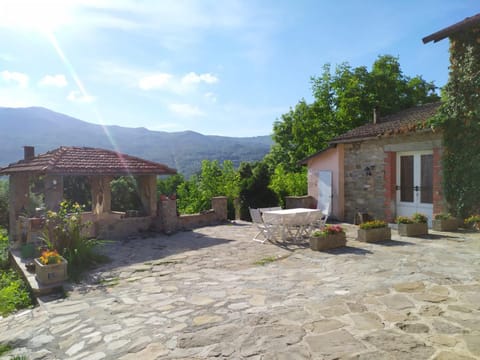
point(193, 78)
point(155, 81)
point(12, 76)
point(211, 97)
point(186, 110)
point(54, 80)
point(77, 96)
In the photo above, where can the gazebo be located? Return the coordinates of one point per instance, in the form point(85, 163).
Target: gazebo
point(99, 166)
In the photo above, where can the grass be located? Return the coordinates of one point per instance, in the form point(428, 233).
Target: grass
point(4, 348)
point(269, 259)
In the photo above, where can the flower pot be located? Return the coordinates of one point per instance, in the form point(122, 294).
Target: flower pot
point(412, 229)
point(373, 235)
point(445, 224)
point(52, 273)
point(326, 242)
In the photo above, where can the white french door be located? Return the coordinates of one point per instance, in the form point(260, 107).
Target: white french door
point(415, 183)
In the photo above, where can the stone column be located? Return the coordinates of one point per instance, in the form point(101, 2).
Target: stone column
point(101, 194)
point(167, 220)
point(219, 206)
point(53, 192)
point(18, 199)
point(147, 185)
point(390, 180)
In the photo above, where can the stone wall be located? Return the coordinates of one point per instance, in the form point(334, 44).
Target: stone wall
point(368, 169)
point(169, 221)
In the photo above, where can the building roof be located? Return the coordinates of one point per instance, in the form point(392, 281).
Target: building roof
point(70, 160)
point(404, 121)
point(467, 23)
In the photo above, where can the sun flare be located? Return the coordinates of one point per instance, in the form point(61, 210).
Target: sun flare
point(46, 16)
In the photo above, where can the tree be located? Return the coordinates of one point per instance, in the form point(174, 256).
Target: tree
point(343, 100)
point(169, 184)
point(285, 183)
point(254, 187)
point(213, 180)
point(3, 203)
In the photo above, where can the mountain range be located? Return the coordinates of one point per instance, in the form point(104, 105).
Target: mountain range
point(46, 130)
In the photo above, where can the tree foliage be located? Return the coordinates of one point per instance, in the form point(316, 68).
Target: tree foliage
point(285, 183)
point(344, 99)
point(213, 180)
point(125, 194)
point(4, 203)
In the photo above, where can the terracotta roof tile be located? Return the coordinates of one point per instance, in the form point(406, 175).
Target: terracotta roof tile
point(403, 121)
point(69, 160)
point(467, 23)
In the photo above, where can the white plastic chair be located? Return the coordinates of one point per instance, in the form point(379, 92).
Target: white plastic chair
point(266, 230)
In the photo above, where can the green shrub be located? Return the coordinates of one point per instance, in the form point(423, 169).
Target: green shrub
point(373, 224)
point(443, 216)
point(403, 220)
point(64, 233)
point(419, 218)
point(14, 294)
point(4, 263)
point(416, 218)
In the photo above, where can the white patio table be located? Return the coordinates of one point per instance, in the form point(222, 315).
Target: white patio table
point(293, 222)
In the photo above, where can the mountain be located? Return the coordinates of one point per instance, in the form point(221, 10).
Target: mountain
point(184, 151)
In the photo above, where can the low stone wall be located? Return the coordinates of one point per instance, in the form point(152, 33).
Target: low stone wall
point(114, 228)
point(294, 202)
point(169, 221)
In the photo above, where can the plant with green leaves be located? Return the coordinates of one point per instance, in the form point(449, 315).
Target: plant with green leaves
point(14, 294)
point(65, 233)
point(373, 224)
point(459, 118)
point(443, 216)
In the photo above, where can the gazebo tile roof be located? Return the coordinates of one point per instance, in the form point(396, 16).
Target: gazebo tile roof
point(71, 160)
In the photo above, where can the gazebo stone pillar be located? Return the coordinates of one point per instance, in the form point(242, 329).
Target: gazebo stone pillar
point(18, 200)
point(147, 185)
point(53, 191)
point(101, 194)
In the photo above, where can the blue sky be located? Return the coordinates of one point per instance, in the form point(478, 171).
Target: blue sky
point(218, 67)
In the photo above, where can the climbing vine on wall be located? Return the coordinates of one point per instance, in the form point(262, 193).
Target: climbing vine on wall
point(459, 117)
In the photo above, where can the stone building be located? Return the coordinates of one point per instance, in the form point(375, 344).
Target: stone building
point(387, 168)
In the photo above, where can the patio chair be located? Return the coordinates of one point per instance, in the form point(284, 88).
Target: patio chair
point(266, 230)
point(321, 220)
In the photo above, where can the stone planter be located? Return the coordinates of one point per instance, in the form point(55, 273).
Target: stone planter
point(412, 229)
point(51, 274)
point(373, 235)
point(445, 224)
point(331, 241)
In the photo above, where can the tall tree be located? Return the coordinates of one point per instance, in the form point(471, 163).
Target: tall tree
point(344, 99)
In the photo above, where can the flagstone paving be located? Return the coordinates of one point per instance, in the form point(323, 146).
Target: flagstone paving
point(214, 293)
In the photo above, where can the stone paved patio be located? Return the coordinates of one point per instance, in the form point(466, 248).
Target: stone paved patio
point(202, 294)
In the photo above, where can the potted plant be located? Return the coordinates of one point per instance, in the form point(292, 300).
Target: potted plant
point(50, 268)
point(331, 236)
point(444, 222)
point(374, 230)
point(473, 221)
point(412, 226)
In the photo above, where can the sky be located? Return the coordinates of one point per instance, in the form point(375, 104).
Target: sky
point(218, 67)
